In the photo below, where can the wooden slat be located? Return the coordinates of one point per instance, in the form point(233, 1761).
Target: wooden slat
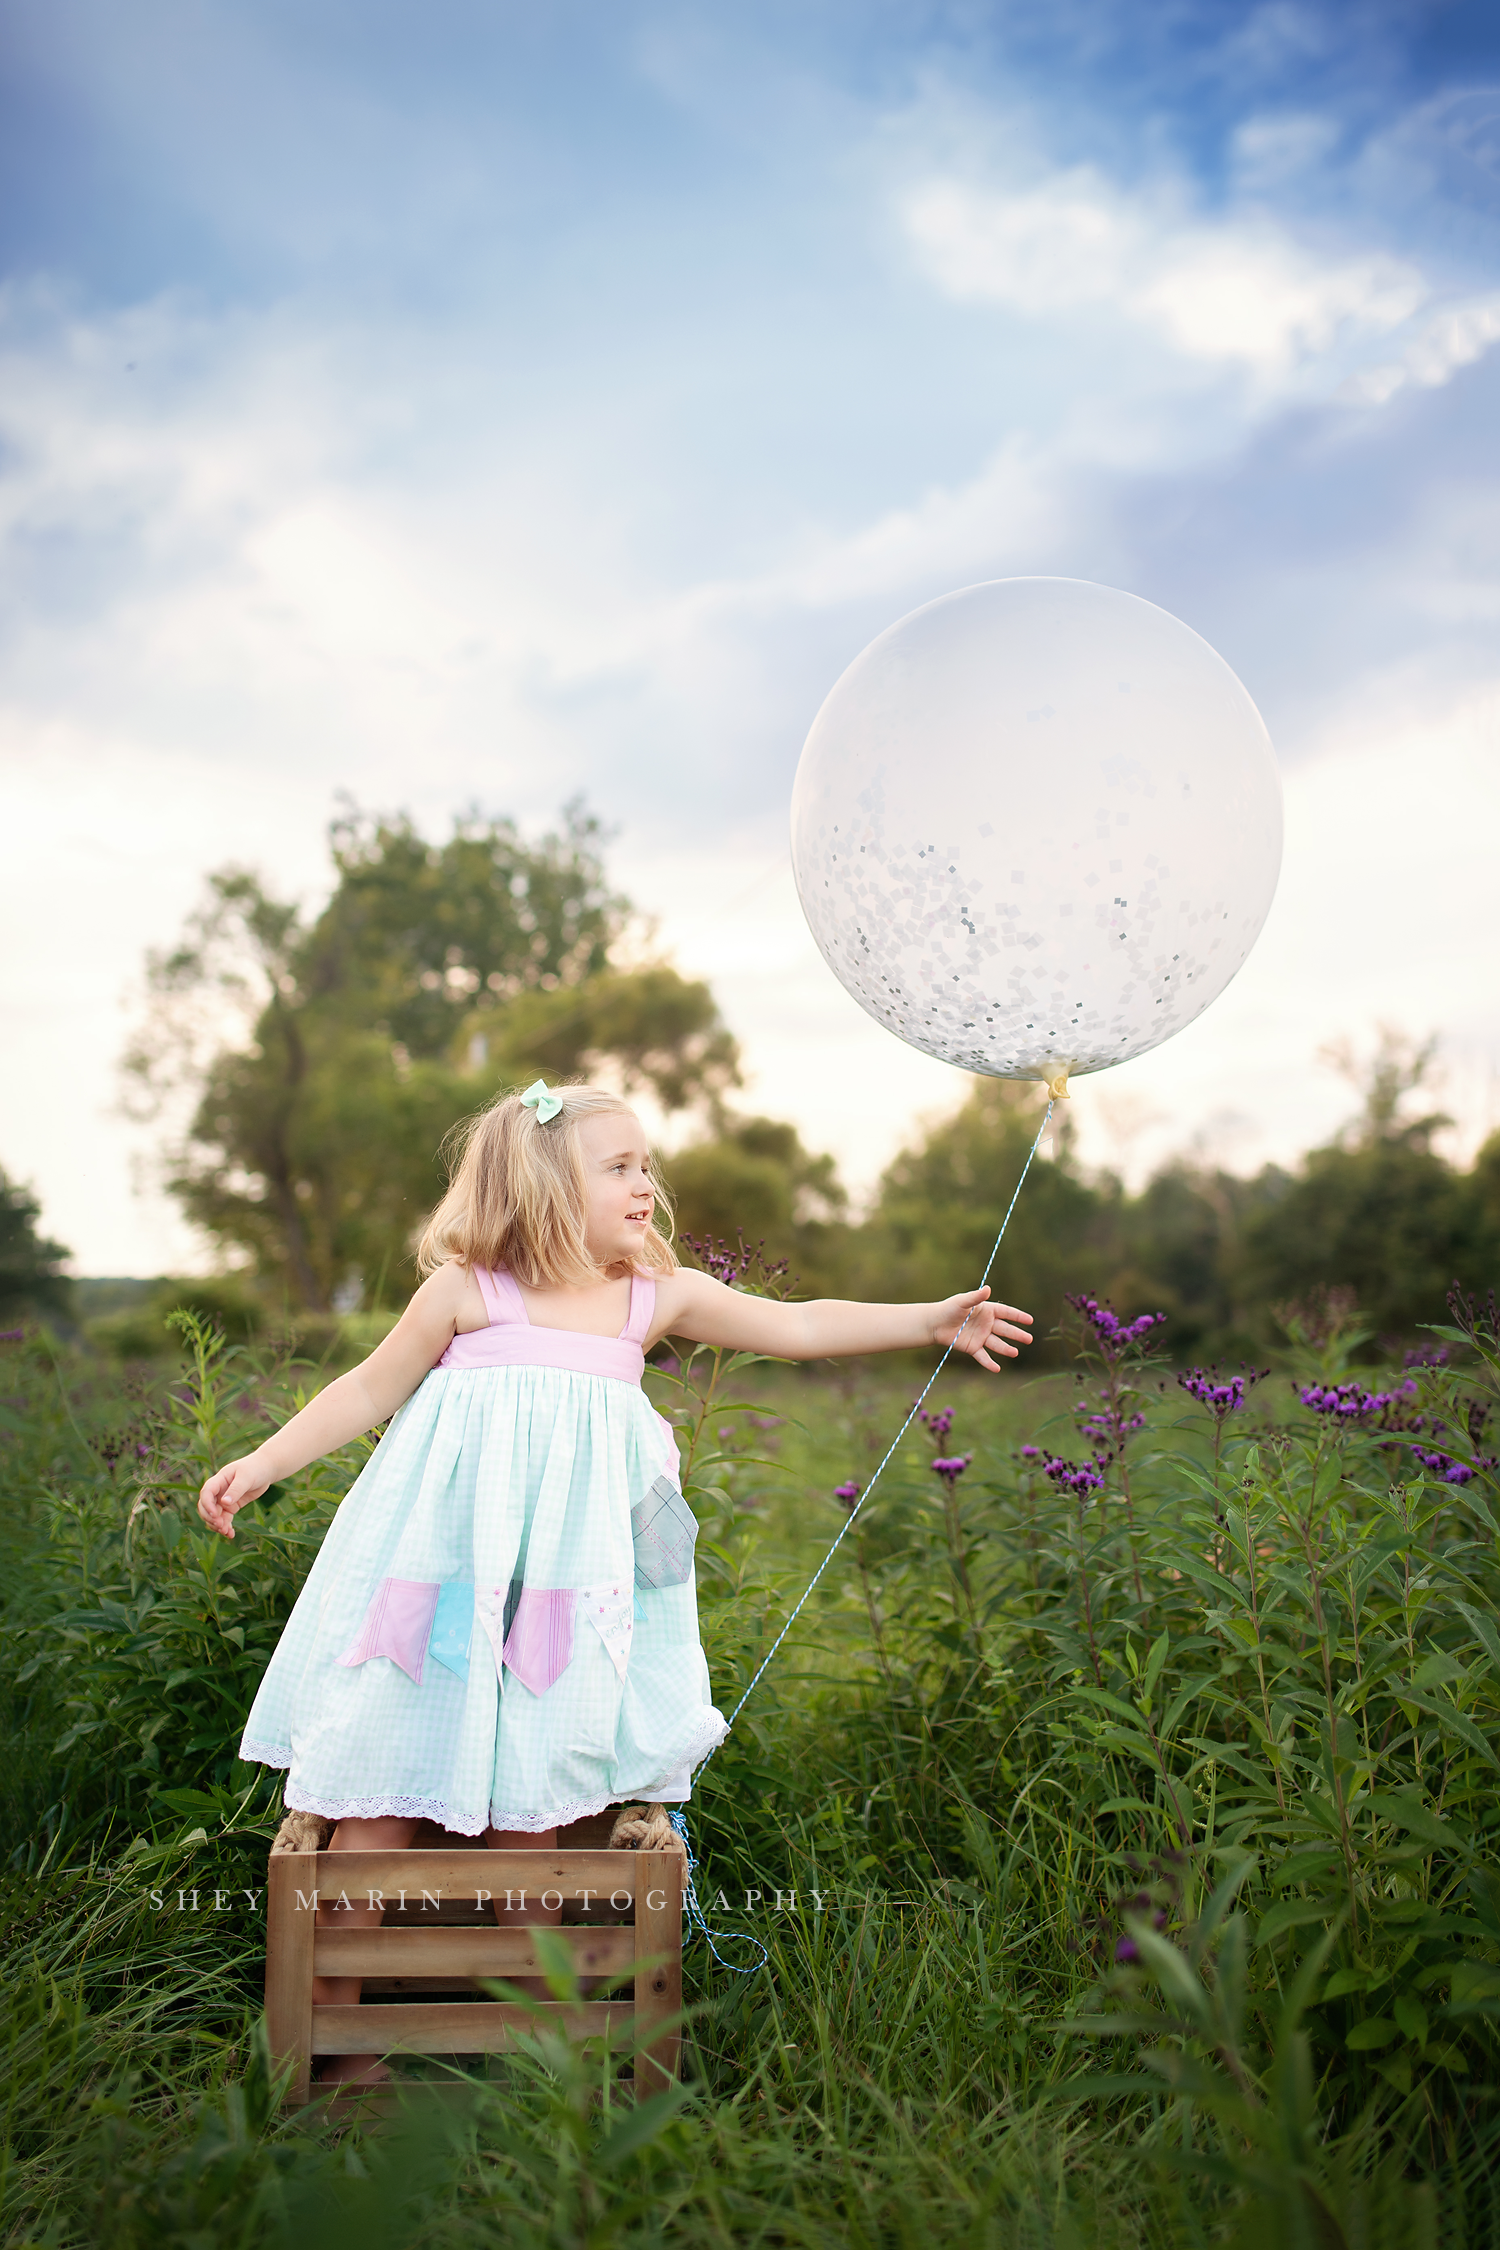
point(491, 1952)
point(658, 1989)
point(461, 1874)
point(289, 1966)
point(476, 2027)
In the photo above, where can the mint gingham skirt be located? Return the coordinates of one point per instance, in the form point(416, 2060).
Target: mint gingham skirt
point(489, 1635)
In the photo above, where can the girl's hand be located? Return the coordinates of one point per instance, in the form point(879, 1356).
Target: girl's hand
point(228, 1490)
point(976, 1326)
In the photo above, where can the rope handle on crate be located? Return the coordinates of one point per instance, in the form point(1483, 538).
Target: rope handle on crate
point(691, 1907)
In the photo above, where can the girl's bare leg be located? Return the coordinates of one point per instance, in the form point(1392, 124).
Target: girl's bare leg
point(356, 1836)
point(517, 1917)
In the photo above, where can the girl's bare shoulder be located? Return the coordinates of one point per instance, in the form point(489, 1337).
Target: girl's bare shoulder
point(452, 1294)
point(681, 1292)
point(676, 1287)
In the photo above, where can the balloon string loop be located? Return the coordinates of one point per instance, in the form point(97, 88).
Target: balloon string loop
point(713, 1939)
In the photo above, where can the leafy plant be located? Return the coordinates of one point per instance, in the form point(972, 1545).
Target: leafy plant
point(147, 1634)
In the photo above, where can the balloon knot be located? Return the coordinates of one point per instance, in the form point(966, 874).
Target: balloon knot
point(1057, 1088)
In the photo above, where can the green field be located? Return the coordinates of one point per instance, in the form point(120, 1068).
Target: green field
point(1142, 1831)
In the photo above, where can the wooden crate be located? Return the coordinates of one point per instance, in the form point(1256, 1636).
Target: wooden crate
point(438, 1937)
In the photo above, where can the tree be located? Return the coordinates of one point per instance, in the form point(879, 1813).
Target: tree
point(1379, 1211)
point(753, 1177)
point(31, 1275)
point(318, 1068)
point(1388, 1220)
point(415, 932)
point(1180, 1252)
point(1487, 1182)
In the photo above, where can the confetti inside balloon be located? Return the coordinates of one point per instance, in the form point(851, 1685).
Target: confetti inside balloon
point(1036, 828)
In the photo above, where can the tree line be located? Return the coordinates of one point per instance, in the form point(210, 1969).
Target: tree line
point(305, 1073)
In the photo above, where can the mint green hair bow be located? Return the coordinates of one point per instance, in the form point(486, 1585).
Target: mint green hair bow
point(540, 1097)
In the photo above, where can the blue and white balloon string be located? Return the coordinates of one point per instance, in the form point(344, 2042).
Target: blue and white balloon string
point(690, 1902)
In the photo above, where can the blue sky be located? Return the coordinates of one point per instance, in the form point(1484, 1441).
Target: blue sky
point(490, 403)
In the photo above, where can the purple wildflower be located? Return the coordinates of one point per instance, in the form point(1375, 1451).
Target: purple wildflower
point(940, 1423)
point(722, 1264)
point(1126, 1948)
point(848, 1493)
point(1220, 1397)
point(1479, 1322)
point(732, 1265)
point(952, 1469)
point(1081, 1477)
point(1351, 1402)
point(1114, 1336)
point(1031, 1453)
point(1444, 1466)
point(1107, 1428)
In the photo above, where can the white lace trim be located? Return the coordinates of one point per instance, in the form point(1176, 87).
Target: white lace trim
point(264, 1753)
point(387, 1808)
point(711, 1729)
point(530, 1823)
point(446, 1816)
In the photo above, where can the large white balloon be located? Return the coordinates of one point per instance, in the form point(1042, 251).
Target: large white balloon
point(1036, 828)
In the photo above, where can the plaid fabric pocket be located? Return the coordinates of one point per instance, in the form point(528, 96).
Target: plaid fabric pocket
point(664, 1529)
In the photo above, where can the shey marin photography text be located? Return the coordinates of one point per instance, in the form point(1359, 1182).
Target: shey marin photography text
point(205, 1898)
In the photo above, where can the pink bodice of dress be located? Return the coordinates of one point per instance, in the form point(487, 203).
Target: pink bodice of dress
point(511, 1340)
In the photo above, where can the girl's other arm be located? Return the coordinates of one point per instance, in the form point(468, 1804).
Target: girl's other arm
point(368, 1394)
point(696, 1306)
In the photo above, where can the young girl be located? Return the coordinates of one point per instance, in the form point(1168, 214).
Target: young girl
point(500, 1631)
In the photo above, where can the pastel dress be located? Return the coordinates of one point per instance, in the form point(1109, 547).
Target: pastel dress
point(501, 1626)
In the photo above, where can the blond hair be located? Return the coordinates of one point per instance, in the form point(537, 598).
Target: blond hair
point(518, 1193)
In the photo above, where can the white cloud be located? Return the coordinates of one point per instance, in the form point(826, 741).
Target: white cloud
point(1452, 337)
point(1271, 152)
point(1250, 295)
point(1238, 291)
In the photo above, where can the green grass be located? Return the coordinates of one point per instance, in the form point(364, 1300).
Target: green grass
point(1143, 1843)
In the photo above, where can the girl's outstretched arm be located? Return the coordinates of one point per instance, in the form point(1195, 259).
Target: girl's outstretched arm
point(696, 1306)
point(368, 1394)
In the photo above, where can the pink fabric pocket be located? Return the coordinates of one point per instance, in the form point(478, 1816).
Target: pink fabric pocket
point(396, 1625)
point(539, 1645)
